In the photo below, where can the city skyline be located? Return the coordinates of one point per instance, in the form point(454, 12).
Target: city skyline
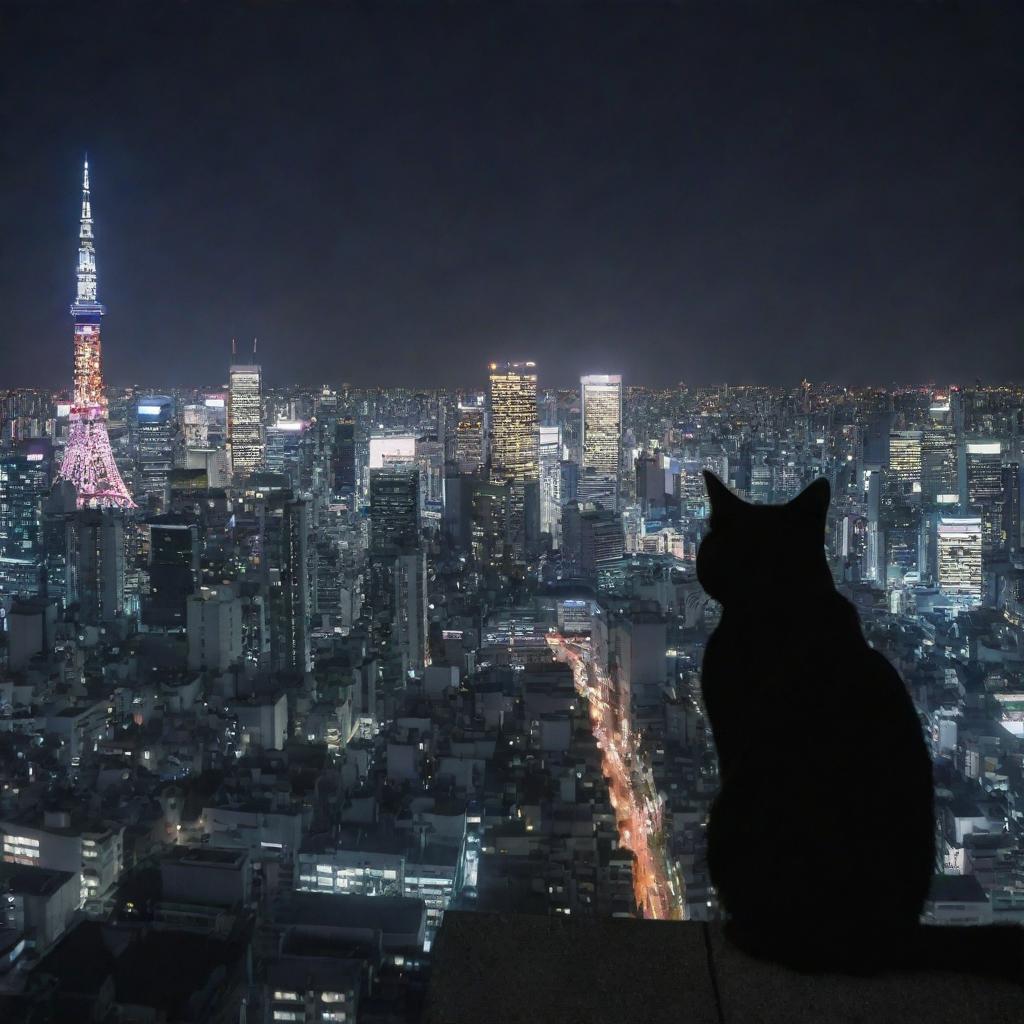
point(541, 536)
point(816, 200)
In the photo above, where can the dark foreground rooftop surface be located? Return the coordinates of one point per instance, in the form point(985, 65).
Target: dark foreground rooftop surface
point(518, 969)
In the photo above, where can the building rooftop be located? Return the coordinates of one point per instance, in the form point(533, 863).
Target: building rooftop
point(394, 914)
point(33, 881)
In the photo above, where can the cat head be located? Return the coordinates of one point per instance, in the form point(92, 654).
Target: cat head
point(763, 550)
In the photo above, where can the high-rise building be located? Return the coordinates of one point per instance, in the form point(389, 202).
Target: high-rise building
point(471, 437)
point(514, 456)
point(1010, 519)
point(284, 449)
point(25, 476)
point(96, 565)
point(394, 511)
point(550, 463)
point(284, 563)
point(650, 481)
point(173, 573)
point(154, 443)
point(214, 617)
point(959, 570)
point(600, 437)
point(195, 426)
point(903, 477)
point(394, 529)
point(88, 460)
point(938, 463)
point(984, 485)
point(513, 415)
point(245, 418)
point(343, 462)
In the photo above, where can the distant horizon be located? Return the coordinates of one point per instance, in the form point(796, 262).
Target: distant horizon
point(272, 385)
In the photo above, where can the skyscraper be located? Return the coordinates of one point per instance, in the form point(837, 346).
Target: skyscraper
point(155, 448)
point(1011, 508)
point(903, 477)
point(600, 437)
point(550, 460)
point(984, 484)
point(514, 454)
point(25, 475)
point(513, 413)
point(394, 511)
point(470, 438)
point(283, 453)
point(173, 572)
point(284, 538)
point(959, 558)
point(95, 565)
point(245, 418)
point(88, 461)
point(343, 462)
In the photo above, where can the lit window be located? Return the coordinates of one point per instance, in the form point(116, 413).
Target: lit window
point(333, 997)
point(285, 996)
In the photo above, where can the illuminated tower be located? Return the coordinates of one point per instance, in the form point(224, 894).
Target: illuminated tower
point(600, 437)
point(245, 418)
point(513, 407)
point(88, 461)
point(515, 453)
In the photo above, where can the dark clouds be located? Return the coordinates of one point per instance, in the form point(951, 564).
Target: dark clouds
point(399, 193)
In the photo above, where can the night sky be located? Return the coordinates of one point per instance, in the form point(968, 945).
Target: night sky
point(396, 194)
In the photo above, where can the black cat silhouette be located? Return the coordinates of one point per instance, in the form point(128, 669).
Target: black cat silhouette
point(821, 841)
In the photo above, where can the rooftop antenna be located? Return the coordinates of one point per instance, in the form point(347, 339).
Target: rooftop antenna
point(234, 347)
point(254, 346)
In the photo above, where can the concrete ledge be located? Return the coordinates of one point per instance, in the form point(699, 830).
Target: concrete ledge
point(519, 969)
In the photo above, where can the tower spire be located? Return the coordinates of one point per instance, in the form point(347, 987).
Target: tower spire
point(86, 292)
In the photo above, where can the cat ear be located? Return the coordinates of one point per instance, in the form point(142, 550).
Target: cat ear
point(723, 501)
point(813, 500)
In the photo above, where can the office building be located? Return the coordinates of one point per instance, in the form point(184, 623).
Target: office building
point(1010, 518)
point(173, 573)
point(25, 476)
point(245, 419)
point(155, 438)
point(513, 421)
point(214, 617)
point(284, 538)
point(64, 841)
point(600, 437)
point(938, 454)
point(284, 450)
point(96, 565)
point(471, 437)
point(959, 568)
point(903, 477)
point(983, 461)
point(343, 460)
point(514, 456)
point(549, 448)
point(394, 510)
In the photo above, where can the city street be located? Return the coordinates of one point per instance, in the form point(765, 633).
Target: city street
point(659, 892)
